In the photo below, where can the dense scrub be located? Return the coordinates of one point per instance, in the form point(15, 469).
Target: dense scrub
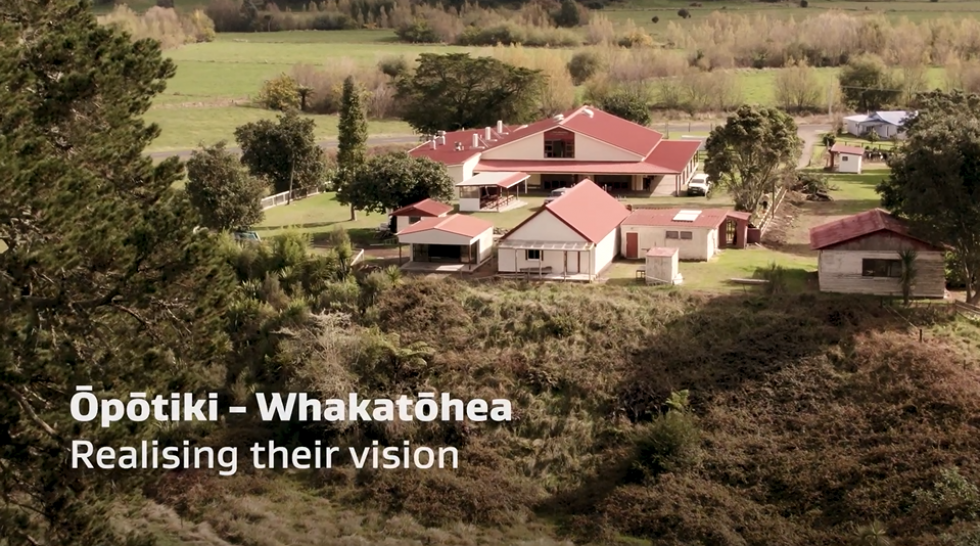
point(804, 416)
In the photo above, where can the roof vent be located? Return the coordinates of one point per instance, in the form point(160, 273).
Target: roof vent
point(441, 133)
point(560, 118)
point(488, 134)
point(588, 112)
point(687, 215)
point(442, 139)
point(434, 144)
point(500, 126)
point(459, 146)
point(476, 141)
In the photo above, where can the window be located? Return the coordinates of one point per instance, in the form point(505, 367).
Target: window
point(881, 268)
point(687, 235)
point(843, 158)
point(532, 255)
point(559, 148)
point(414, 220)
point(672, 235)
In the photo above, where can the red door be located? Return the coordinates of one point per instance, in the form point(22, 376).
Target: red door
point(632, 245)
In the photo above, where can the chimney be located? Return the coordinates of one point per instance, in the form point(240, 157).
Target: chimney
point(560, 118)
point(434, 144)
point(442, 139)
point(588, 112)
point(476, 141)
point(487, 134)
point(500, 126)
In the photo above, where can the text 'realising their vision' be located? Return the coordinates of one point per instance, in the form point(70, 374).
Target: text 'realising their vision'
point(86, 407)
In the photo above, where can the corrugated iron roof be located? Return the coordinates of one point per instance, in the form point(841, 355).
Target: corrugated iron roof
point(501, 179)
point(551, 166)
point(844, 149)
point(458, 224)
point(856, 226)
point(586, 208)
point(671, 156)
point(425, 207)
point(662, 252)
point(709, 218)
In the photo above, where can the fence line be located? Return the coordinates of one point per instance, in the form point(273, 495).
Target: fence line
point(283, 198)
point(357, 257)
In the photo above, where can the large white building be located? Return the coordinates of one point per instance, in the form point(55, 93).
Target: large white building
point(888, 124)
point(574, 237)
point(584, 143)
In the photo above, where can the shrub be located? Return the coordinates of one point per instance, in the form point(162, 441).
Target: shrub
point(394, 66)
point(326, 84)
point(169, 4)
point(417, 32)
point(655, 19)
point(279, 93)
point(683, 13)
point(804, 4)
point(163, 25)
point(583, 66)
point(672, 442)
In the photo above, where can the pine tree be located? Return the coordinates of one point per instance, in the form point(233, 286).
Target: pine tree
point(352, 138)
point(103, 280)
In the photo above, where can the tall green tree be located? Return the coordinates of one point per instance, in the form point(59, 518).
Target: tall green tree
point(867, 84)
point(935, 177)
point(393, 180)
point(103, 281)
point(225, 194)
point(456, 91)
point(751, 153)
point(351, 139)
point(283, 152)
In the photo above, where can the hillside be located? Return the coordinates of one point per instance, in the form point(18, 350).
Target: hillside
point(808, 415)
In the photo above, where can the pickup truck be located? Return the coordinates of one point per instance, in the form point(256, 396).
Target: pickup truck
point(699, 185)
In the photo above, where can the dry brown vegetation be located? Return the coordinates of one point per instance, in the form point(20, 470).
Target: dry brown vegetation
point(811, 414)
point(170, 28)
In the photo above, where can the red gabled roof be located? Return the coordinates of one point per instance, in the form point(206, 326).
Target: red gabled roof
point(709, 218)
point(587, 209)
point(850, 150)
point(425, 207)
point(457, 224)
point(859, 225)
point(599, 125)
point(671, 156)
point(560, 166)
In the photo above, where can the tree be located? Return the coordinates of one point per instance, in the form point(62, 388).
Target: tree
point(568, 14)
point(627, 101)
point(910, 272)
point(103, 280)
point(797, 88)
point(751, 153)
point(225, 194)
point(934, 181)
point(285, 153)
point(352, 138)
point(393, 180)
point(867, 84)
point(456, 91)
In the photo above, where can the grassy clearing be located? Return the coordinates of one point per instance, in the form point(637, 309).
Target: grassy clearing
point(185, 128)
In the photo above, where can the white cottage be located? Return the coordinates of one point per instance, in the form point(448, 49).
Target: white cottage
point(414, 213)
point(845, 159)
point(888, 124)
point(697, 234)
point(860, 254)
point(574, 237)
point(452, 243)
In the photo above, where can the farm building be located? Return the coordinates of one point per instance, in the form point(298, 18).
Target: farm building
point(414, 213)
point(574, 237)
point(448, 243)
point(661, 266)
point(860, 254)
point(697, 234)
point(888, 124)
point(845, 159)
point(492, 192)
point(584, 143)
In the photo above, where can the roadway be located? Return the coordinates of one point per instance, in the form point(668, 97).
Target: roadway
point(807, 132)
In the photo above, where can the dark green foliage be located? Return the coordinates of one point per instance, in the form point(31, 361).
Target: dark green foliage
point(867, 84)
point(751, 154)
point(394, 67)
point(352, 128)
point(583, 66)
point(671, 443)
point(683, 13)
point(457, 91)
point(569, 14)
point(417, 32)
point(631, 102)
point(103, 281)
point(284, 153)
point(935, 177)
point(222, 190)
point(655, 19)
point(393, 180)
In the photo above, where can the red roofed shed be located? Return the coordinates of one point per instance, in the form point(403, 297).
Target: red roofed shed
point(456, 241)
point(410, 214)
point(698, 234)
point(863, 254)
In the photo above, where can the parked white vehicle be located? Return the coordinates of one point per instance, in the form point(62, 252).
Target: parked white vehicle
point(555, 194)
point(699, 185)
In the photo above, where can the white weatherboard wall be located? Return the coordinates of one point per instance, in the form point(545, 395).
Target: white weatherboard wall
point(849, 163)
point(437, 237)
point(662, 268)
point(463, 171)
point(605, 252)
point(700, 247)
point(486, 245)
point(543, 227)
point(840, 271)
point(586, 149)
point(469, 204)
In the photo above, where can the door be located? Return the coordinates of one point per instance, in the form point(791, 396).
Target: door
point(572, 260)
point(632, 245)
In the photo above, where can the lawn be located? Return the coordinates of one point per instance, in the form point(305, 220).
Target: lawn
point(318, 216)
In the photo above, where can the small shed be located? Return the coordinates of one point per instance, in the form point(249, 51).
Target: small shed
point(662, 265)
point(697, 234)
point(845, 159)
point(862, 254)
point(456, 239)
point(411, 214)
point(491, 191)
